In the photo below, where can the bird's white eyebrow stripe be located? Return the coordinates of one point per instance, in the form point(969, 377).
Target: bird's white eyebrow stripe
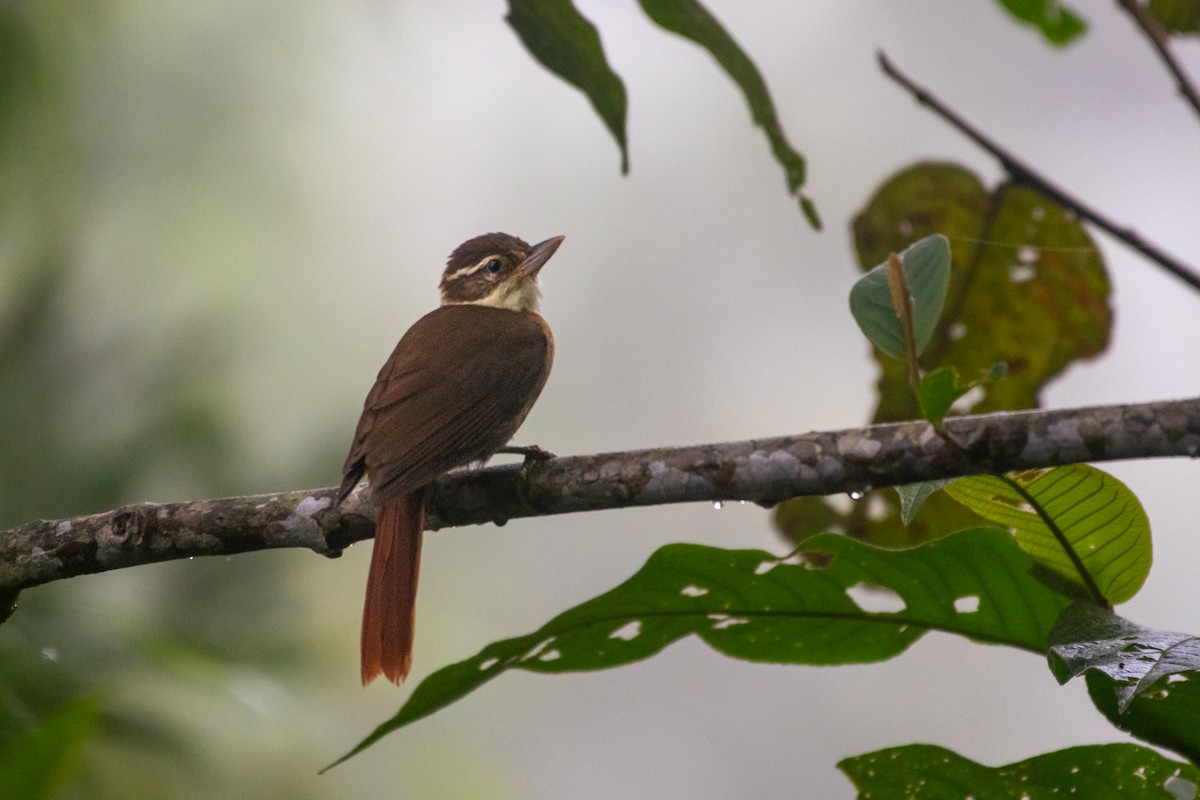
point(468, 270)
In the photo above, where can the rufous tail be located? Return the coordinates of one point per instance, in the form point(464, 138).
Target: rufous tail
point(389, 611)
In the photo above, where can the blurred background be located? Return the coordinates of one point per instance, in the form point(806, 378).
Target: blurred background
point(217, 218)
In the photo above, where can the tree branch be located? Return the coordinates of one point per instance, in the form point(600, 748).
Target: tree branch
point(1162, 45)
point(765, 471)
point(1022, 173)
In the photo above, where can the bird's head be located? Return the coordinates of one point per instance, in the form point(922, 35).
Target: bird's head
point(496, 270)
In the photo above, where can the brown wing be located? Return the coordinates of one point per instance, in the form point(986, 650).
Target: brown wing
point(456, 388)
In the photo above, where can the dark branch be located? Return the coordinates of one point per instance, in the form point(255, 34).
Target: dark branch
point(765, 471)
point(1162, 45)
point(1022, 173)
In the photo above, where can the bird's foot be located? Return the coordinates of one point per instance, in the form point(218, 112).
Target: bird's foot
point(532, 454)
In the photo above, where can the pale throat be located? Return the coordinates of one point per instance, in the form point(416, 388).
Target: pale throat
point(520, 294)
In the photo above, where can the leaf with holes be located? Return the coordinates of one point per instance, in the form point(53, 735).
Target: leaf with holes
point(1027, 288)
point(567, 44)
point(1027, 284)
point(1165, 716)
point(1086, 532)
point(927, 271)
point(928, 772)
point(1136, 658)
point(752, 605)
point(1145, 681)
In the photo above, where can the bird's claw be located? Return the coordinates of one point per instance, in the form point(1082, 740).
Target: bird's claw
point(532, 454)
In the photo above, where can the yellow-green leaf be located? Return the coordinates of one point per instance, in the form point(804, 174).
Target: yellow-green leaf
point(1085, 530)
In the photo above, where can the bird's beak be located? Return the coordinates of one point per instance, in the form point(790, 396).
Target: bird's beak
point(538, 256)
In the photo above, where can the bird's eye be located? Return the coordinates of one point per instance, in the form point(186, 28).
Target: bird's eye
point(493, 265)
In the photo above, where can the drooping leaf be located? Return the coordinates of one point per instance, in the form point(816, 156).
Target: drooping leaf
point(33, 766)
point(1145, 681)
point(690, 19)
point(1058, 24)
point(927, 269)
point(752, 605)
point(567, 44)
point(1177, 16)
point(1085, 531)
point(1135, 657)
point(912, 495)
point(928, 772)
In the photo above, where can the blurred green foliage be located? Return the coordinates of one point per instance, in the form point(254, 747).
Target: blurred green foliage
point(1058, 24)
point(90, 417)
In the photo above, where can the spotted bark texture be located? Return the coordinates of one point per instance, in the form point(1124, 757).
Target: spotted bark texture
point(763, 471)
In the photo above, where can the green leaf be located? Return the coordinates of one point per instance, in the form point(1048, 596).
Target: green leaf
point(1027, 288)
point(1088, 638)
point(1145, 681)
point(1058, 24)
point(939, 390)
point(943, 387)
point(1085, 531)
point(928, 772)
point(1027, 285)
point(1165, 717)
point(927, 268)
point(33, 766)
point(752, 605)
point(567, 44)
point(692, 20)
point(1177, 16)
point(912, 495)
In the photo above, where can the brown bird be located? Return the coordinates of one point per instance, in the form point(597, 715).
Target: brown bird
point(455, 390)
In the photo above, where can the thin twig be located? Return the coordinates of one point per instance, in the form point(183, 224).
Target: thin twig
point(1162, 45)
point(1024, 174)
point(764, 471)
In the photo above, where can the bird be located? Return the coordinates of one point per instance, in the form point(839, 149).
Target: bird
point(457, 386)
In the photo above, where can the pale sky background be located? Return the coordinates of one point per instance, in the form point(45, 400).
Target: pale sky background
point(293, 176)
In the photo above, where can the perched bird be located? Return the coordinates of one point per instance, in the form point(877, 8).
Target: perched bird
point(453, 392)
